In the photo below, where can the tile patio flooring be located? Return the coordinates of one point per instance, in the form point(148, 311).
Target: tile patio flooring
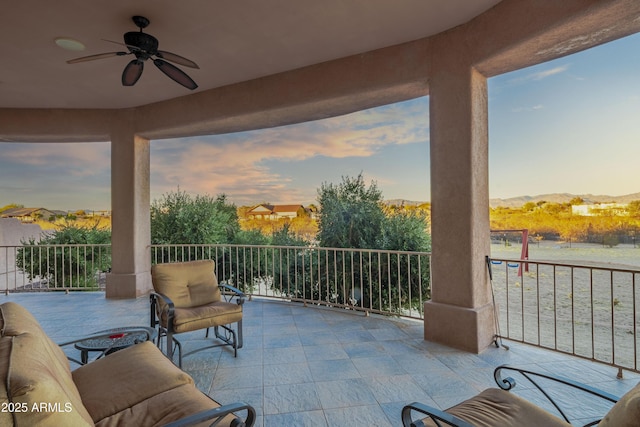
point(314, 366)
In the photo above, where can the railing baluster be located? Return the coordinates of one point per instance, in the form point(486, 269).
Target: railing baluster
point(555, 309)
point(408, 280)
point(379, 279)
point(508, 301)
point(635, 324)
point(573, 317)
point(326, 275)
point(613, 308)
point(398, 279)
point(538, 301)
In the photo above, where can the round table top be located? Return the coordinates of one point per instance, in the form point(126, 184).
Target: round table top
point(118, 338)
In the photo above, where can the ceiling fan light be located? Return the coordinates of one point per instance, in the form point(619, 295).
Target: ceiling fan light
point(69, 44)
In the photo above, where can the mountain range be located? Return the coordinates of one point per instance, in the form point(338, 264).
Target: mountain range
point(515, 202)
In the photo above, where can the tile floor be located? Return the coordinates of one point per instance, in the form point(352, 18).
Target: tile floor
point(315, 366)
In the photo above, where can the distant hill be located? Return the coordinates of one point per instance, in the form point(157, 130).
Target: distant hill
point(516, 202)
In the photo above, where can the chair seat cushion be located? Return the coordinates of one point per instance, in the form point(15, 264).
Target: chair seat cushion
point(206, 316)
point(165, 407)
point(496, 407)
point(626, 412)
point(125, 379)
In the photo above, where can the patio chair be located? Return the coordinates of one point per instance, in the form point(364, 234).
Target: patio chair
point(187, 298)
point(499, 407)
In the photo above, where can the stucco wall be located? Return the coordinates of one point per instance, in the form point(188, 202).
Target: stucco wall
point(13, 233)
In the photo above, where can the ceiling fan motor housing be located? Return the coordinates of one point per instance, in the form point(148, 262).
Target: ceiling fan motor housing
point(138, 41)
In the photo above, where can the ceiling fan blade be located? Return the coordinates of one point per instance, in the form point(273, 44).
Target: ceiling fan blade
point(129, 46)
point(175, 73)
point(113, 41)
point(132, 72)
point(177, 59)
point(94, 57)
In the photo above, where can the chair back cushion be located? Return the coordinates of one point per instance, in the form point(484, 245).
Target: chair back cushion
point(37, 387)
point(496, 407)
point(187, 284)
point(626, 412)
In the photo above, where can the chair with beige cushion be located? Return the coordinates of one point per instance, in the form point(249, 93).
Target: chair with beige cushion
point(187, 298)
point(499, 407)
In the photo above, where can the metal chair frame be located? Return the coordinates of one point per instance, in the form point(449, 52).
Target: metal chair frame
point(228, 337)
point(506, 383)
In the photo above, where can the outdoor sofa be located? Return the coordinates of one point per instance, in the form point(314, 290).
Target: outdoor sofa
point(136, 386)
point(500, 407)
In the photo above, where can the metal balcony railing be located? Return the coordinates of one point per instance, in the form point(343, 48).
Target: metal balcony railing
point(589, 311)
point(377, 281)
point(53, 267)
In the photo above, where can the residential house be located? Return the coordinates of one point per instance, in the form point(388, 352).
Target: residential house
point(276, 212)
point(28, 215)
point(612, 209)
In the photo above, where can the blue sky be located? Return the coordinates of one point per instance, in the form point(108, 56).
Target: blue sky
point(571, 125)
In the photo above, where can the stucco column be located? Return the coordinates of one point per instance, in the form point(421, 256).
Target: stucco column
point(460, 313)
point(131, 231)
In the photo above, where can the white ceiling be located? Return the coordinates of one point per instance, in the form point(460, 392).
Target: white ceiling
point(232, 41)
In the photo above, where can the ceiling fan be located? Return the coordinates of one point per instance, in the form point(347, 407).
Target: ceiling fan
point(144, 46)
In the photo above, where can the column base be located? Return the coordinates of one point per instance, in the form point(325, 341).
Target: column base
point(467, 329)
point(122, 286)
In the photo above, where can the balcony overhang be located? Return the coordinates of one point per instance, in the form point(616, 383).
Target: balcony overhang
point(506, 37)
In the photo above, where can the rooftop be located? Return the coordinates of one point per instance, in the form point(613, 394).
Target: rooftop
point(313, 366)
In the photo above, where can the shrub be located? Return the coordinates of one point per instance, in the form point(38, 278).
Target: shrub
point(53, 260)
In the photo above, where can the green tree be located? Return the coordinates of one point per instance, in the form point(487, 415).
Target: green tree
point(286, 237)
point(178, 218)
point(406, 231)
point(351, 214)
point(352, 217)
point(63, 266)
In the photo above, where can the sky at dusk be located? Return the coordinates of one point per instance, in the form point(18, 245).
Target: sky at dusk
point(567, 126)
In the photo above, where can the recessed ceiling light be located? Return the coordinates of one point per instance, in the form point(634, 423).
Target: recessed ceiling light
point(69, 44)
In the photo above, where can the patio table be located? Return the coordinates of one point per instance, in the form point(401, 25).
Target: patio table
point(115, 339)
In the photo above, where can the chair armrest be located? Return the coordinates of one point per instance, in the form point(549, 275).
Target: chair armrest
point(154, 297)
point(507, 383)
point(219, 413)
point(231, 292)
point(435, 414)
